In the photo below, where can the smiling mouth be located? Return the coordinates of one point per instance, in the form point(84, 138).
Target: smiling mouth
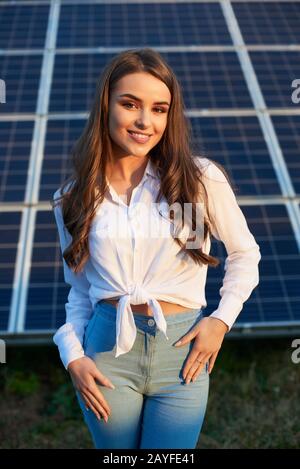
point(138, 133)
point(139, 138)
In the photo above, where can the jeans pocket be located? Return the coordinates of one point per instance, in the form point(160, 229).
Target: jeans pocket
point(186, 327)
point(101, 335)
point(89, 329)
point(182, 352)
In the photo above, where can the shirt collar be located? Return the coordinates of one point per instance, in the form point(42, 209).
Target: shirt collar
point(149, 171)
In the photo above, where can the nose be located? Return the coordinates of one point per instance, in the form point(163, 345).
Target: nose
point(144, 120)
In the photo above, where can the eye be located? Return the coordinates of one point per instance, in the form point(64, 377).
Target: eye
point(128, 104)
point(162, 110)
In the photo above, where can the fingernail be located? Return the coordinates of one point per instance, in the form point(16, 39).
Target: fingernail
point(178, 343)
point(112, 386)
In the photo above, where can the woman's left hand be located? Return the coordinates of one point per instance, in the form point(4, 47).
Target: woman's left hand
point(209, 333)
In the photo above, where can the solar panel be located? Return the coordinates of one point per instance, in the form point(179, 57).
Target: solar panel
point(125, 25)
point(268, 22)
point(9, 238)
point(277, 298)
point(288, 133)
point(47, 290)
point(276, 70)
point(238, 143)
point(200, 40)
point(23, 26)
point(209, 80)
point(15, 146)
point(74, 81)
point(61, 135)
point(21, 74)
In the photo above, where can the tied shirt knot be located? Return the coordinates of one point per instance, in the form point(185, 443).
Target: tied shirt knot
point(125, 324)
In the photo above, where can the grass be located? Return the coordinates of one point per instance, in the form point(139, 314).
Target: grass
point(253, 400)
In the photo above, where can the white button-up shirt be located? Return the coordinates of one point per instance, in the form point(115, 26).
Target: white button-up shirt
point(134, 257)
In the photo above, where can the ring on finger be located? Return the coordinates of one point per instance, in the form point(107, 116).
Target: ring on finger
point(198, 361)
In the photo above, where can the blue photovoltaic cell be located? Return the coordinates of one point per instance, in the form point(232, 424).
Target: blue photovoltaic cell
point(61, 136)
point(288, 132)
point(268, 22)
point(21, 74)
point(208, 80)
point(9, 239)
point(23, 26)
point(277, 296)
point(276, 70)
point(238, 144)
point(15, 147)
point(143, 24)
point(47, 291)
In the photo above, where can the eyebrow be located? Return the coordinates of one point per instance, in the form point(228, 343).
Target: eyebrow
point(128, 95)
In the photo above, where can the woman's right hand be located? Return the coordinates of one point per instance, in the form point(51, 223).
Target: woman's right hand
point(83, 372)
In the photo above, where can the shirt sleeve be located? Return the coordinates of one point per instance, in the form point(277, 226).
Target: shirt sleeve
point(69, 337)
point(243, 253)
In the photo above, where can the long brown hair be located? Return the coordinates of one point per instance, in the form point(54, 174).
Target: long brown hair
point(180, 176)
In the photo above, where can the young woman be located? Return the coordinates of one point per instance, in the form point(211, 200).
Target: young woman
point(136, 291)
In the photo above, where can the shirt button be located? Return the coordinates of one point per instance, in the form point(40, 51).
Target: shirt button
point(151, 322)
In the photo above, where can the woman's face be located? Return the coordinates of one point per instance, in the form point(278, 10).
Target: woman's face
point(145, 111)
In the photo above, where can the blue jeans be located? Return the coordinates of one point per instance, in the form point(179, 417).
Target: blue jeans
point(151, 406)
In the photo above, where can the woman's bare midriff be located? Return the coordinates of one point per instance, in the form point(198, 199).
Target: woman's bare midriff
point(167, 308)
